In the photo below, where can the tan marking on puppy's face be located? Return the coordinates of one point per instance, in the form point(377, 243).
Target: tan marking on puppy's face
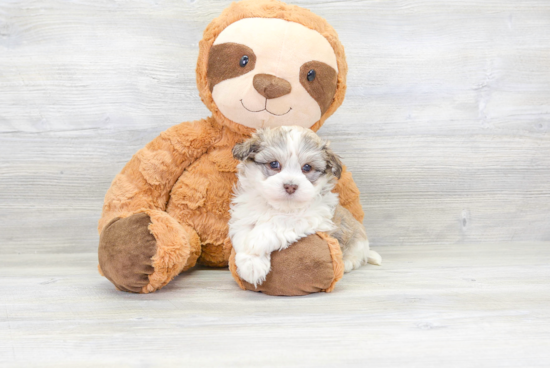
point(275, 89)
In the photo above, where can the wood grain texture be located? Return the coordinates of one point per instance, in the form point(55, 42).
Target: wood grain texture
point(476, 305)
point(445, 125)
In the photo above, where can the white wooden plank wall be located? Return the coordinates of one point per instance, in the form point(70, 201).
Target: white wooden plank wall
point(445, 125)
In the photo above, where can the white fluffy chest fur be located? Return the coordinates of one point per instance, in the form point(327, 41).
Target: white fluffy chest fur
point(252, 214)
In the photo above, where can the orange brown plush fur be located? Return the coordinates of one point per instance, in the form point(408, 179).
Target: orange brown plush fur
point(180, 183)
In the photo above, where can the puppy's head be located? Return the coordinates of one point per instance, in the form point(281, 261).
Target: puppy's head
point(288, 166)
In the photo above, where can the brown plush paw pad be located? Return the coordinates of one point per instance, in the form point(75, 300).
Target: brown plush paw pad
point(303, 268)
point(125, 250)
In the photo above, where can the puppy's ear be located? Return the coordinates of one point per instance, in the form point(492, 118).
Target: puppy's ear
point(247, 149)
point(333, 161)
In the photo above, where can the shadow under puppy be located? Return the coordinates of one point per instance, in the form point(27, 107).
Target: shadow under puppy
point(284, 193)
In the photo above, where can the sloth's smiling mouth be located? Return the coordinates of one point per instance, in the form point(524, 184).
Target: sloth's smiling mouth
point(265, 109)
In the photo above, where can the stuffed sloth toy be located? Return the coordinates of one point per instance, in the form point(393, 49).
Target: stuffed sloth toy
point(262, 63)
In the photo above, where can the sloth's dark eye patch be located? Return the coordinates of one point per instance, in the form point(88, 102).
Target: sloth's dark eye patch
point(228, 60)
point(320, 81)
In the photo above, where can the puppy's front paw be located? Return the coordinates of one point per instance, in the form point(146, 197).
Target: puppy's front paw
point(252, 269)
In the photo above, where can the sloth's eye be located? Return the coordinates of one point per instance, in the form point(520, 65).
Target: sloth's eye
point(306, 168)
point(275, 165)
point(244, 61)
point(311, 75)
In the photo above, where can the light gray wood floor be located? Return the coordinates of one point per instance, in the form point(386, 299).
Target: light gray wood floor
point(477, 305)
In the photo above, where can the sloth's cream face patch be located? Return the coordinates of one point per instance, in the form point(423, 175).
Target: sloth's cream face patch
point(271, 72)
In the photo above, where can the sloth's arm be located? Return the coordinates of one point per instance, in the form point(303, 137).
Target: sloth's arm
point(349, 195)
point(147, 179)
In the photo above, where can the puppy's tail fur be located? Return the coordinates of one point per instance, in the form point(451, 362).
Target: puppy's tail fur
point(374, 258)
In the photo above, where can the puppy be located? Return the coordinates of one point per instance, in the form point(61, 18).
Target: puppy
point(284, 193)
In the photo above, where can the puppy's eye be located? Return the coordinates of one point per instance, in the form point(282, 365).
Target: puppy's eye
point(306, 168)
point(244, 61)
point(275, 165)
point(311, 75)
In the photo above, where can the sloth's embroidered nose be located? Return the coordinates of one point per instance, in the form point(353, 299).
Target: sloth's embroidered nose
point(290, 188)
point(271, 86)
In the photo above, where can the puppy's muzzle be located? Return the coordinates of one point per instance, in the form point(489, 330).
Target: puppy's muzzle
point(290, 188)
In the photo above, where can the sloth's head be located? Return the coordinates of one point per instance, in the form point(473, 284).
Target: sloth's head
point(264, 63)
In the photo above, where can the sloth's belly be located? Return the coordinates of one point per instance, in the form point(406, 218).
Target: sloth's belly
point(201, 198)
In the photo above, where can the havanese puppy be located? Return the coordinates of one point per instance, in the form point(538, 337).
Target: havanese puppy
point(284, 193)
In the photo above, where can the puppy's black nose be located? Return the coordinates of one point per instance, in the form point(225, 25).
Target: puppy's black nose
point(290, 188)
